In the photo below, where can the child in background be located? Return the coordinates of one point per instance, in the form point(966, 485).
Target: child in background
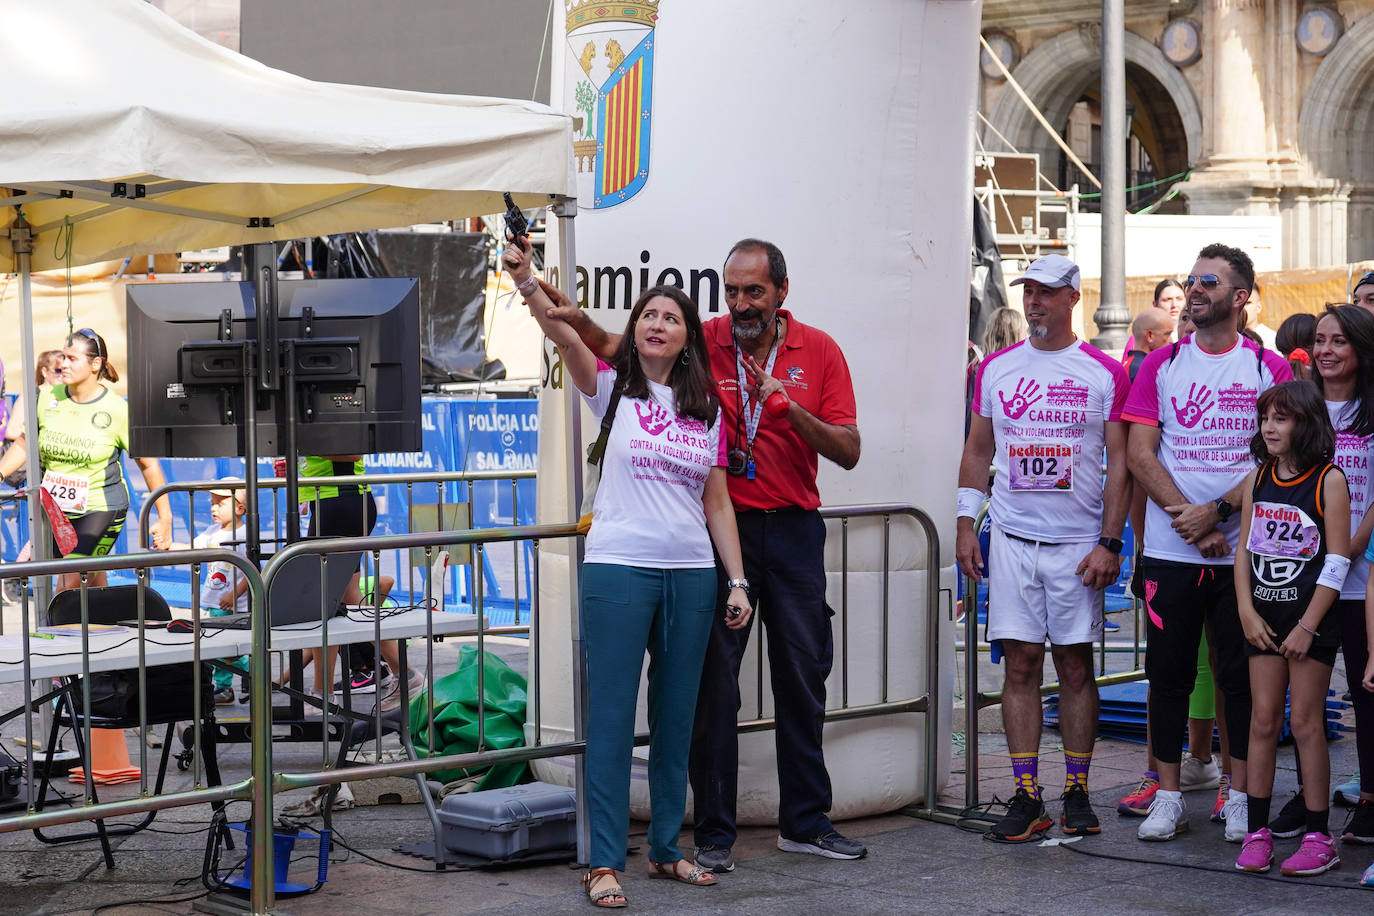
point(224, 590)
point(1290, 565)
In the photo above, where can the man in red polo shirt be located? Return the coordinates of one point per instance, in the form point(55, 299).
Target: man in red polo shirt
point(757, 352)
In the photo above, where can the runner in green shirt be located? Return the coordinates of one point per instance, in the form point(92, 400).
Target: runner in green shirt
point(83, 426)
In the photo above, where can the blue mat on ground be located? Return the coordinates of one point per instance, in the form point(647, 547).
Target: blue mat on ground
point(1122, 713)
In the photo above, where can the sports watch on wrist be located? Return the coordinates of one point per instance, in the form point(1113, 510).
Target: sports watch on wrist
point(1113, 545)
point(1224, 509)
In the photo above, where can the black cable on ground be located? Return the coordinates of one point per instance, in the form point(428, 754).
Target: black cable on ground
point(1218, 869)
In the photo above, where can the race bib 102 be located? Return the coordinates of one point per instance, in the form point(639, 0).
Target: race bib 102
point(1042, 466)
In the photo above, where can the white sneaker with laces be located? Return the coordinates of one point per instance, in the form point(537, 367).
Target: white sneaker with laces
point(1236, 813)
point(1167, 817)
point(1194, 775)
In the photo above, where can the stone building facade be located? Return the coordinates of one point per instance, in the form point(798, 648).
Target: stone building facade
point(1268, 105)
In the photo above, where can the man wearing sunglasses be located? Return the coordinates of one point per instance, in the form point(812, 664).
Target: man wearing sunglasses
point(1192, 415)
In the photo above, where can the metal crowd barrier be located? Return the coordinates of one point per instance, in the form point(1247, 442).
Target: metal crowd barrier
point(266, 779)
point(976, 700)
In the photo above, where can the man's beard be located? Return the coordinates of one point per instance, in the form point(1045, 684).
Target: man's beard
point(1212, 316)
point(753, 331)
point(1039, 331)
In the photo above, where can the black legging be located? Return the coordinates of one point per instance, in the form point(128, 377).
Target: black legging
point(1179, 597)
point(350, 514)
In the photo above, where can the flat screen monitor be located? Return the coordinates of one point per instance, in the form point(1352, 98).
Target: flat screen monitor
point(355, 357)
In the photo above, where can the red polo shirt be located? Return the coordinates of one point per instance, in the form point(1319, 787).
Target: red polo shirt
point(815, 375)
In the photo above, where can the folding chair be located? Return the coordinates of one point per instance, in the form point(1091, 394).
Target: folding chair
point(170, 700)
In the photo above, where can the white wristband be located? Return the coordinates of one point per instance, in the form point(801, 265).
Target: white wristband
point(969, 502)
point(1333, 571)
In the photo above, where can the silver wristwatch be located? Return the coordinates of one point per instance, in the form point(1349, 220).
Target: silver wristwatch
point(738, 583)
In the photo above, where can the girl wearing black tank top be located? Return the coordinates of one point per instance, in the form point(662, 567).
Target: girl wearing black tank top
point(1290, 564)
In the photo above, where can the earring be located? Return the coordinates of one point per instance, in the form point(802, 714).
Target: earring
point(686, 357)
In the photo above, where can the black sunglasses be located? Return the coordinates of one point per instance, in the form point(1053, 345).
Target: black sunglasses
point(1206, 281)
point(94, 338)
point(1367, 278)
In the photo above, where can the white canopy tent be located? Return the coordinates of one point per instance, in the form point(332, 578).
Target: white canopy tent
point(138, 136)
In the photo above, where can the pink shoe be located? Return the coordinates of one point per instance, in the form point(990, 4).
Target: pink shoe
point(1257, 855)
point(1316, 855)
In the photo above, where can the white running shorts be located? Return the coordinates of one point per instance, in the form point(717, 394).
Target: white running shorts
point(1034, 592)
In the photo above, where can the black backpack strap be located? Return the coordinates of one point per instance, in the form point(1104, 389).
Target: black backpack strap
point(598, 449)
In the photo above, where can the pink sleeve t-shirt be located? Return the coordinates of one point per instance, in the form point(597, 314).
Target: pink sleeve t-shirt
point(1049, 411)
point(1204, 406)
point(648, 509)
point(1353, 454)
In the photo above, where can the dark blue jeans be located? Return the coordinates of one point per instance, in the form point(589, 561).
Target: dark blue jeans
point(785, 565)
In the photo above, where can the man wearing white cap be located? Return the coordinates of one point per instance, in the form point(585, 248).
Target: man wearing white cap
point(1044, 412)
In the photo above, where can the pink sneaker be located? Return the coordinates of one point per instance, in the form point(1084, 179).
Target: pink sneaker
point(1257, 855)
point(1316, 855)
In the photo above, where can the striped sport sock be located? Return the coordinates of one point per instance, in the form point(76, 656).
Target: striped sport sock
point(1076, 769)
point(1025, 770)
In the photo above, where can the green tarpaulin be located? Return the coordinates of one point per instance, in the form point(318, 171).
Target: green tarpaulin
point(456, 713)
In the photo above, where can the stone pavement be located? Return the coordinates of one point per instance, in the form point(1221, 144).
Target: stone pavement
point(914, 866)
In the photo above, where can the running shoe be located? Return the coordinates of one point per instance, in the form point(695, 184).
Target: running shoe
point(1360, 828)
point(716, 859)
point(1257, 855)
point(1223, 796)
point(1237, 817)
point(1194, 775)
point(1137, 804)
point(831, 845)
point(1315, 856)
point(1367, 879)
point(1348, 793)
point(1078, 818)
point(1110, 626)
point(1167, 818)
point(1025, 818)
point(1292, 819)
point(224, 696)
point(362, 682)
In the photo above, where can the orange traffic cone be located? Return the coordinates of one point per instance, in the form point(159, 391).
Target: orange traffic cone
point(109, 759)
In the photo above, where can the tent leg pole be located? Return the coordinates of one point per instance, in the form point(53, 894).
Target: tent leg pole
point(566, 210)
point(21, 237)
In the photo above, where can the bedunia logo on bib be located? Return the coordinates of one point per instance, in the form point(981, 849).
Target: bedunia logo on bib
point(1199, 402)
point(1027, 393)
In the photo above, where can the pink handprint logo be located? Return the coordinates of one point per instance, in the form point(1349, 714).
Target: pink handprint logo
point(655, 421)
point(1198, 403)
point(1027, 393)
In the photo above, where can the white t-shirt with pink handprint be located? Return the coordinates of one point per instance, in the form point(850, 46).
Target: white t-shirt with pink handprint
point(1049, 410)
point(648, 508)
point(1204, 406)
point(1353, 457)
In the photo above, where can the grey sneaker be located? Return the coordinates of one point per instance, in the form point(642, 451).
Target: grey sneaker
point(831, 845)
point(1194, 775)
point(717, 859)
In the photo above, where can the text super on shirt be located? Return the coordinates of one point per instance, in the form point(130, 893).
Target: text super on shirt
point(1204, 406)
point(1049, 410)
point(648, 509)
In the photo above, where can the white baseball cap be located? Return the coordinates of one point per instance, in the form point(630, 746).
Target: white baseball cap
point(1053, 270)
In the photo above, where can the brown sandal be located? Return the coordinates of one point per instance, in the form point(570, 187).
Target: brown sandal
point(603, 898)
point(695, 876)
